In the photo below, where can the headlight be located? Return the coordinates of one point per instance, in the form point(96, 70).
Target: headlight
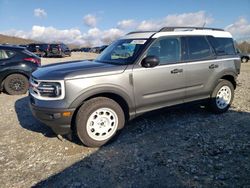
point(47, 90)
point(50, 89)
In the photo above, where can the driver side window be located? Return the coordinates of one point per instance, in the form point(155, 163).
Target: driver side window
point(168, 50)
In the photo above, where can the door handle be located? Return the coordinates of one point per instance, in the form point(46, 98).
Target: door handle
point(213, 66)
point(175, 71)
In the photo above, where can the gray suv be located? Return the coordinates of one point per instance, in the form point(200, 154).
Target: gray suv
point(141, 72)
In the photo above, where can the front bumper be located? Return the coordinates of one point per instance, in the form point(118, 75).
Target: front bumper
point(54, 118)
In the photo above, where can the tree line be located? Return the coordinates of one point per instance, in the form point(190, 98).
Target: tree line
point(244, 47)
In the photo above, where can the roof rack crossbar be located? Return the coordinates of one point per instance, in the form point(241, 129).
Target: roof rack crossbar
point(165, 29)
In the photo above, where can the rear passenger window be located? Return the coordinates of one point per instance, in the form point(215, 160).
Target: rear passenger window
point(166, 49)
point(198, 48)
point(222, 46)
point(6, 54)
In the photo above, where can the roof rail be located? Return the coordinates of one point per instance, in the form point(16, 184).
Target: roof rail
point(134, 32)
point(165, 29)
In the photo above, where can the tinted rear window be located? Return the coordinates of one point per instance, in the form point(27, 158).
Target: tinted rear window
point(199, 48)
point(222, 46)
point(54, 45)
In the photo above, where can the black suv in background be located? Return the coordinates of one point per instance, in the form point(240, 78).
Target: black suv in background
point(49, 50)
point(58, 50)
point(40, 49)
point(16, 66)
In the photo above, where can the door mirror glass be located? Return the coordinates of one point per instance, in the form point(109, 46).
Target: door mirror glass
point(150, 61)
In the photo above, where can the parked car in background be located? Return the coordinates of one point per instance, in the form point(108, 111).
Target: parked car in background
point(85, 49)
point(16, 66)
point(102, 48)
point(60, 50)
point(40, 49)
point(76, 50)
point(98, 49)
point(243, 56)
point(94, 49)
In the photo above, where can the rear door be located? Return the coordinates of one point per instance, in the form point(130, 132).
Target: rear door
point(164, 84)
point(201, 68)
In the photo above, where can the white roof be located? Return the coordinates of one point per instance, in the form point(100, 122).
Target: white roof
point(222, 34)
point(181, 32)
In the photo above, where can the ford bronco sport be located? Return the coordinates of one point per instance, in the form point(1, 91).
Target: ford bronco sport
point(140, 72)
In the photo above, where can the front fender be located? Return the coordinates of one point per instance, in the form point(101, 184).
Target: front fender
point(104, 89)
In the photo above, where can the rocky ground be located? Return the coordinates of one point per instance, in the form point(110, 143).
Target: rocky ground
point(74, 57)
point(184, 147)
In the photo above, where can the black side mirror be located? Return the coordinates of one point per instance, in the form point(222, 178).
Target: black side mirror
point(150, 61)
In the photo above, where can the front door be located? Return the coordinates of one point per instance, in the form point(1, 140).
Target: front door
point(164, 84)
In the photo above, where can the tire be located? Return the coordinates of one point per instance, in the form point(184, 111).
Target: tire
point(222, 97)
point(244, 60)
point(16, 84)
point(98, 120)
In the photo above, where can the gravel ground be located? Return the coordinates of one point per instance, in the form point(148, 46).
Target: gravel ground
point(184, 147)
point(74, 57)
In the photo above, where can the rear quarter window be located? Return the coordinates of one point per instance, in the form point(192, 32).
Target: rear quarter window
point(222, 46)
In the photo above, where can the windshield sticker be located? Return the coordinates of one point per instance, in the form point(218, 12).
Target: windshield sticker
point(137, 41)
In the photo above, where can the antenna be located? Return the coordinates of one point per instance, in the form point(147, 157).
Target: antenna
point(204, 24)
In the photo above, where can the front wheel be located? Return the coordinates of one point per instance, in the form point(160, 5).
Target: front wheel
point(222, 97)
point(98, 120)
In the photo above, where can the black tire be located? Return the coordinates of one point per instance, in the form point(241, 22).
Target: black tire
point(87, 111)
point(16, 84)
point(216, 101)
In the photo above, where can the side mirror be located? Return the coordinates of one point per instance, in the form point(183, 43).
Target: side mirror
point(150, 61)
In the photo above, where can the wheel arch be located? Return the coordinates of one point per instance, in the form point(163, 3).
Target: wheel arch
point(118, 96)
point(246, 57)
point(230, 78)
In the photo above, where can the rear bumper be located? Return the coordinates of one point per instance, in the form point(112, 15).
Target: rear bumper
point(54, 118)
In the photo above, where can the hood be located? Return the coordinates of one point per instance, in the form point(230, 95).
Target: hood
point(76, 69)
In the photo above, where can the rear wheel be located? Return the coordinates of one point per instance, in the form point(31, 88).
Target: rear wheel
point(16, 84)
point(98, 120)
point(222, 97)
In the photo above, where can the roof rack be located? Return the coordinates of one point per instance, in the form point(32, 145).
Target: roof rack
point(134, 32)
point(165, 29)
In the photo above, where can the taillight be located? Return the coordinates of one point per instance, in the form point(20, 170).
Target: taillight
point(33, 60)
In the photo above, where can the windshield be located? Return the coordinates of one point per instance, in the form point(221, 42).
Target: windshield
point(122, 51)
